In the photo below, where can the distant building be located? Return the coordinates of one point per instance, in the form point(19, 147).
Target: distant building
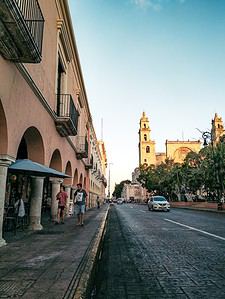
point(134, 190)
point(175, 150)
point(146, 145)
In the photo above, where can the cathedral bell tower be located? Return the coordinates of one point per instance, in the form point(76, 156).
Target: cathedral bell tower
point(146, 145)
point(217, 128)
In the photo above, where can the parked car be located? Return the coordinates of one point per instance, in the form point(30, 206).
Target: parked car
point(119, 201)
point(158, 203)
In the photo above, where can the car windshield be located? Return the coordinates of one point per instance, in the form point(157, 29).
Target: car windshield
point(159, 198)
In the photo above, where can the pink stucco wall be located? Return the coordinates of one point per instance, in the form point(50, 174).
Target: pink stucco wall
point(21, 109)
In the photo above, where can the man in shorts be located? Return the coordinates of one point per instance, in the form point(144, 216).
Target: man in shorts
point(80, 196)
point(62, 198)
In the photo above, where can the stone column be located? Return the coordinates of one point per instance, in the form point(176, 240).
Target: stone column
point(5, 161)
point(54, 203)
point(72, 197)
point(67, 190)
point(36, 203)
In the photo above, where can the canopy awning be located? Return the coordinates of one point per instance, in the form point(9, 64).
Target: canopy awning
point(28, 167)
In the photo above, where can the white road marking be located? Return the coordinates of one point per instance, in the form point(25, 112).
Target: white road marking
point(142, 211)
point(198, 230)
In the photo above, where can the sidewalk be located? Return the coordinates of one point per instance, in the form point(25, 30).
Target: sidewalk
point(53, 263)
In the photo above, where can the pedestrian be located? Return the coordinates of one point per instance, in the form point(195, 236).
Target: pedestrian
point(19, 206)
point(62, 198)
point(80, 196)
point(98, 202)
point(19, 210)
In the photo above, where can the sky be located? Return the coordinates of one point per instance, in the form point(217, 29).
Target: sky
point(164, 57)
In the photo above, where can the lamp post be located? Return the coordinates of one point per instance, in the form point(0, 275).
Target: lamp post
point(208, 139)
point(109, 181)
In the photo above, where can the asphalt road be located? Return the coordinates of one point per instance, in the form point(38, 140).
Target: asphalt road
point(180, 254)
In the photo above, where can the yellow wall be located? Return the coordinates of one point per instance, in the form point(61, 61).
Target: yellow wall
point(178, 150)
point(175, 150)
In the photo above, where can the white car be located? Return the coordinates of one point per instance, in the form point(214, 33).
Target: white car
point(119, 201)
point(158, 203)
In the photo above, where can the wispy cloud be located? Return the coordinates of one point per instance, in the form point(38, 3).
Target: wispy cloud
point(144, 4)
point(156, 5)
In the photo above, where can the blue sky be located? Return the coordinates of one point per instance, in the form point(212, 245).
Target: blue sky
point(164, 57)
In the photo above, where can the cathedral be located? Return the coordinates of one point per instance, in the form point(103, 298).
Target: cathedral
point(175, 150)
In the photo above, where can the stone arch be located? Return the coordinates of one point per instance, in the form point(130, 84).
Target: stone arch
point(180, 153)
point(68, 171)
point(3, 131)
point(56, 160)
point(31, 146)
point(75, 177)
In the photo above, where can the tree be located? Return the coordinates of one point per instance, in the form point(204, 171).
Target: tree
point(119, 188)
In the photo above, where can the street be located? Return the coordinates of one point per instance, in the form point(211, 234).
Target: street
point(179, 254)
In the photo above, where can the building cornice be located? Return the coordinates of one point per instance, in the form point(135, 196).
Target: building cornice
point(68, 22)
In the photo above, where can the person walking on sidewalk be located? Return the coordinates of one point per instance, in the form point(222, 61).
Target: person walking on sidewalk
point(98, 202)
point(62, 198)
point(80, 196)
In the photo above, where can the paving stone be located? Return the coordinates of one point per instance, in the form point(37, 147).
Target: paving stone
point(42, 265)
point(158, 262)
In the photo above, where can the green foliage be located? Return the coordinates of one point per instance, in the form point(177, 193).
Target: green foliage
point(203, 171)
point(119, 187)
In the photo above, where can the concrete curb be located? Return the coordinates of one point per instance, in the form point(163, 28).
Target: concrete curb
point(82, 279)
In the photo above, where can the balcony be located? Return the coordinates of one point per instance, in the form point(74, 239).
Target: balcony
point(88, 163)
point(67, 116)
point(21, 30)
point(104, 181)
point(81, 147)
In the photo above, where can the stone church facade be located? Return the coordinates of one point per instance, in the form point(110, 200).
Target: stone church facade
point(175, 150)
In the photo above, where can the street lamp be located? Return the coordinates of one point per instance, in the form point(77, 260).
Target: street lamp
point(109, 182)
point(207, 137)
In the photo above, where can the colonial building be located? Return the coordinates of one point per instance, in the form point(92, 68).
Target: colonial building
point(103, 159)
point(134, 191)
point(175, 150)
point(44, 110)
point(98, 181)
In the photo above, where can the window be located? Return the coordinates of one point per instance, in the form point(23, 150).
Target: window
point(60, 73)
point(145, 137)
point(147, 149)
point(145, 126)
point(145, 160)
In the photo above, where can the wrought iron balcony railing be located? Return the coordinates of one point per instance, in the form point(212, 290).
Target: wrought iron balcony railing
point(104, 181)
point(21, 28)
point(67, 115)
point(88, 163)
point(82, 147)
